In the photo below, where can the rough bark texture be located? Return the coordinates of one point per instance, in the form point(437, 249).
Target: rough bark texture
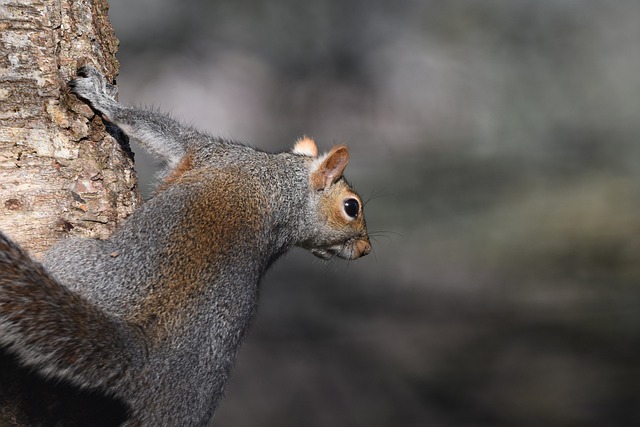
point(60, 171)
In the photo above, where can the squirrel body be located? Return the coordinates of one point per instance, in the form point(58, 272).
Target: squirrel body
point(154, 315)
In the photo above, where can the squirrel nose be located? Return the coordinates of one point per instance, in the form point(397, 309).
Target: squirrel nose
point(363, 247)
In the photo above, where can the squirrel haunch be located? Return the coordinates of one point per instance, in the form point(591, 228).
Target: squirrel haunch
point(154, 315)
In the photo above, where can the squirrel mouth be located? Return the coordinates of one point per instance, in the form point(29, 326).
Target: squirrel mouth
point(351, 249)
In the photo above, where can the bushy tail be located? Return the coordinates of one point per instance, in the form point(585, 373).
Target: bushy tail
point(59, 333)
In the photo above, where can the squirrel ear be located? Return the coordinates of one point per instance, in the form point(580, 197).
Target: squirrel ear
point(329, 168)
point(306, 146)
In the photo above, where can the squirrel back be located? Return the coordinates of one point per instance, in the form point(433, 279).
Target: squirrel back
point(169, 296)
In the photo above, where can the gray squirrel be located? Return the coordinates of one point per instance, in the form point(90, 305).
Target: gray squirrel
point(154, 315)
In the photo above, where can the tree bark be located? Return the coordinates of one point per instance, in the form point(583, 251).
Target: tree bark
point(61, 173)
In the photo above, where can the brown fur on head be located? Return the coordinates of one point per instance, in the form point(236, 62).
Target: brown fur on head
point(338, 208)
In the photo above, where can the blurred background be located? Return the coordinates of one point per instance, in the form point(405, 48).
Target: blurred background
point(497, 145)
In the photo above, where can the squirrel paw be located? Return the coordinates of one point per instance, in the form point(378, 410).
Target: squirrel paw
point(92, 87)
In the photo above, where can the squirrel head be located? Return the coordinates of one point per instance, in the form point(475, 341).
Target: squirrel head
point(339, 227)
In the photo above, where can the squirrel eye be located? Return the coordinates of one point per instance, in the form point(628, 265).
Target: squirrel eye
point(351, 207)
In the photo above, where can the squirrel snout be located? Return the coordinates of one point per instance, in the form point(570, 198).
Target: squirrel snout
point(361, 248)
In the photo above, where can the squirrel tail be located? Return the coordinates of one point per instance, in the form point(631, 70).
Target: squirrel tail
point(59, 333)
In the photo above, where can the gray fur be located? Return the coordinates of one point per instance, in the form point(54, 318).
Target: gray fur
point(171, 293)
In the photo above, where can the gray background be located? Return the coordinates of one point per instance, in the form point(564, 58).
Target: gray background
point(497, 145)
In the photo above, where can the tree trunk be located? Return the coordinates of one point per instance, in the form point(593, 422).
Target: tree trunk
point(61, 173)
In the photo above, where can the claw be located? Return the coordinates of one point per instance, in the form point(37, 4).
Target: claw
point(88, 71)
point(92, 87)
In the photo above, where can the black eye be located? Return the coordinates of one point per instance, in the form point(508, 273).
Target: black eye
point(351, 207)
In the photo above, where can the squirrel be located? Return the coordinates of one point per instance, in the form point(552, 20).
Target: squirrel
point(154, 314)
